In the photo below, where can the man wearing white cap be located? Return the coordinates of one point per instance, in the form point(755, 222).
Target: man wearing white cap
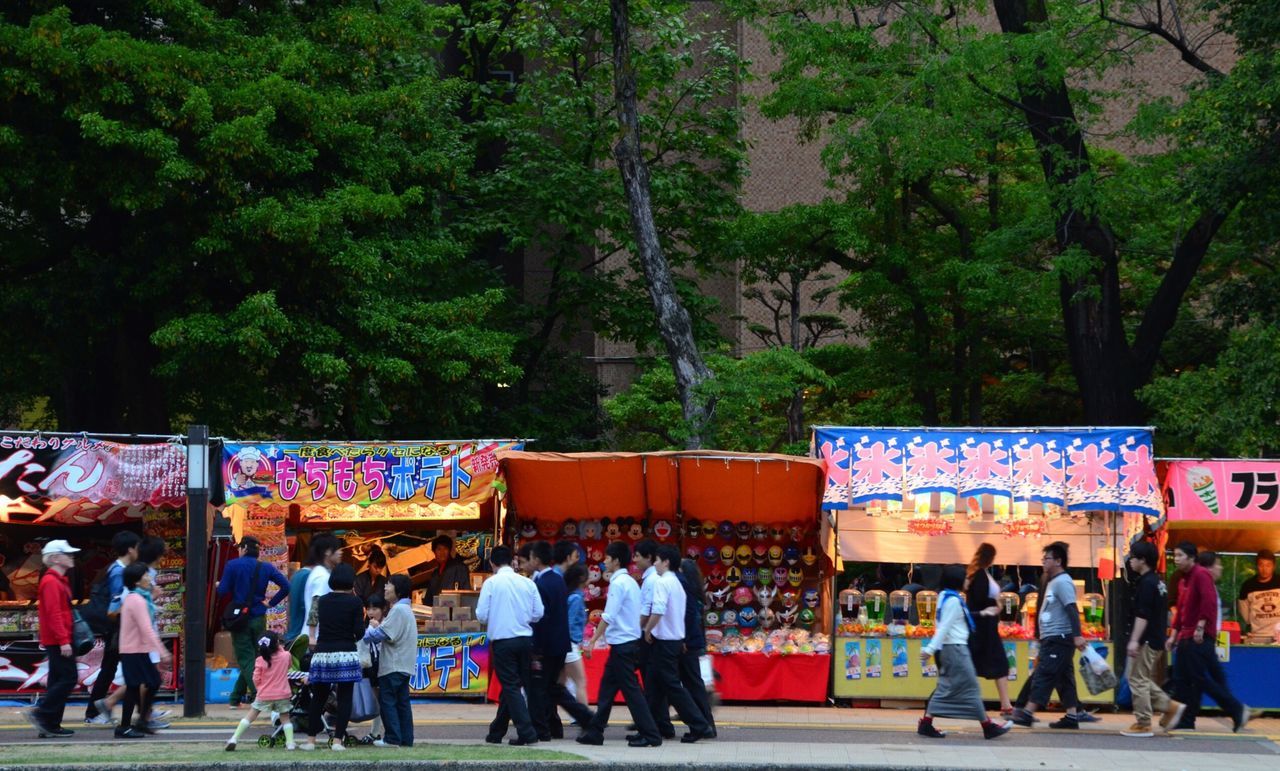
point(54, 607)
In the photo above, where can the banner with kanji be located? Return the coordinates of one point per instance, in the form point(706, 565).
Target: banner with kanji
point(451, 664)
point(76, 480)
point(1222, 490)
point(364, 481)
point(1085, 470)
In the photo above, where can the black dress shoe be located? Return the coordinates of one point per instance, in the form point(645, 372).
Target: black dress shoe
point(491, 739)
point(522, 742)
point(591, 739)
point(544, 737)
point(643, 742)
point(691, 737)
point(633, 736)
point(129, 733)
point(667, 733)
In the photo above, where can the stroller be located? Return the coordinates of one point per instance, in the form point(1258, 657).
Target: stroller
point(300, 704)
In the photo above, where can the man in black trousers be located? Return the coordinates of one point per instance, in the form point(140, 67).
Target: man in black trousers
point(620, 627)
point(550, 646)
point(509, 605)
point(664, 632)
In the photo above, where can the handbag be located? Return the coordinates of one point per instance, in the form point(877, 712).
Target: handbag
point(363, 704)
point(1096, 673)
point(81, 635)
point(236, 617)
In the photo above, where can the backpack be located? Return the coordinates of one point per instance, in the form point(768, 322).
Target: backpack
point(97, 612)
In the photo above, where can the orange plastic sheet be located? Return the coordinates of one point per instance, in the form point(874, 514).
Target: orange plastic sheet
point(699, 484)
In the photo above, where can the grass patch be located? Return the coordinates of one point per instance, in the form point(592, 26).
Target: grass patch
point(203, 753)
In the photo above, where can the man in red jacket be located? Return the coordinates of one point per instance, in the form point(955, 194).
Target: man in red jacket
point(1195, 664)
point(54, 606)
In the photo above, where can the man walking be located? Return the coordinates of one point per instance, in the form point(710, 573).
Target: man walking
point(646, 552)
point(620, 627)
point(398, 637)
point(1195, 665)
point(509, 604)
point(1059, 628)
point(551, 646)
point(664, 632)
point(54, 611)
point(103, 615)
point(1146, 645)
point(244, 582)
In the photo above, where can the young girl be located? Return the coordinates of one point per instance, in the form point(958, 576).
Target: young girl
point(957, 694)
point(574, 670)
point(271, 682)
point(138, 640)
point(376, 611)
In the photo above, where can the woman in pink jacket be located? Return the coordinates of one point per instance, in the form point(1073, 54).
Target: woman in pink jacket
point(138, 640)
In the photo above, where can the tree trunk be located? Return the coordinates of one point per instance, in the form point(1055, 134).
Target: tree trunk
point(673, 319)
point(1107, 369)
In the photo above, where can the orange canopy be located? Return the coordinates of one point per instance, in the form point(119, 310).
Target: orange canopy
point(700, 484)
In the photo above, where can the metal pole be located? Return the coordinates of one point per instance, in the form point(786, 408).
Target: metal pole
point(197, 570)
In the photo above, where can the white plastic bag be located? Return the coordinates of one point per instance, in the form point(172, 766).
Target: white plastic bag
point(708, 673)
point(1096, 662)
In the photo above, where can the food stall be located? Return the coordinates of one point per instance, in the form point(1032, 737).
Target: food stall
point(1231, 507)
point(752, 523)
point(396, 495)
point(932, 495)
point(83, 489)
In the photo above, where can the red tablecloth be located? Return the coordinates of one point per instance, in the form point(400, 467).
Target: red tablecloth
point(742, 677)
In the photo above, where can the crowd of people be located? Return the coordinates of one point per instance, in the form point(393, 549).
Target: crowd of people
point(363, 628)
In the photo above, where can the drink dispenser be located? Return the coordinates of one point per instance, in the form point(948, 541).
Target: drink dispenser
point(926, 606)
point(1094, 608)
point(1008, 603)
point(850, 604)
point(877, 603)
point(900, 606)
point(1029, 611)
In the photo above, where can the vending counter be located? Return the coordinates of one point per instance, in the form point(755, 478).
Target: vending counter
point(799, 678)
point(889, 668)
point(1253, 672)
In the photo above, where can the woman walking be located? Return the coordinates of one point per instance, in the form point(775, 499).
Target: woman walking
point(138, 641)
point(335, 663)
point(574, 670)
point(983, 592)
point(957, 694)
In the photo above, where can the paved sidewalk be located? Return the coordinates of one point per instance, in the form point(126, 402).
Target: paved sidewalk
point(766, 737)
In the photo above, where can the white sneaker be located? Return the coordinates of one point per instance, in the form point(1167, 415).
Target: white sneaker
point(307, 746)
point(291, 747)
point(99, 719)
point(337, 746)
point(103, 709)
point(381, 743)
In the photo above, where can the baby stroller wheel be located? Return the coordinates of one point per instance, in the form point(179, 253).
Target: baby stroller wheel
point(266, 741)
point(350, 741)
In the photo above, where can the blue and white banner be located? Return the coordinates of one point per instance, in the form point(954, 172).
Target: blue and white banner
point(1096, 469)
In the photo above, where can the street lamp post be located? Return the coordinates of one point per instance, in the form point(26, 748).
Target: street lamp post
point(197, 570)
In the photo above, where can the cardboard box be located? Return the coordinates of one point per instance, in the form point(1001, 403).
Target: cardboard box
point(448, 599)
point(462, 614)
point(218, 684)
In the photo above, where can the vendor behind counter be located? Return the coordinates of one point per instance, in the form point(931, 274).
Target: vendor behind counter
point(1259, 601)
point(447, 572)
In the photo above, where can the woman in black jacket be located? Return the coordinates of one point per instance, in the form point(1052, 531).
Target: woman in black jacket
point(983, 592)
point(334, 661)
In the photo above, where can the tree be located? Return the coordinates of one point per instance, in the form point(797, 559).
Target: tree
point(922, 108)
point(239, 213)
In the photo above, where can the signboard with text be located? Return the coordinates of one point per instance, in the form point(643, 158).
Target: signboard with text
point(363, 481)
point(1222, 490)
point(451, 664)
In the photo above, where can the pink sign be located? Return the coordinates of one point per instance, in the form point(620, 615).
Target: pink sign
point(1222, 490)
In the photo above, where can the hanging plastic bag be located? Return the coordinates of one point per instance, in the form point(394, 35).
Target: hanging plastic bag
point(1096, 673)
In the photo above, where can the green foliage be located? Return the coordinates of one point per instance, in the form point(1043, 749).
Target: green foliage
point(752, 394)
point(1228, 409)
point(252, 202)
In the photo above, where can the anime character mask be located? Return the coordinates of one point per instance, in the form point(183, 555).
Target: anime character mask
point(795, 576)
point(775, 555)
point(692, 528)
point(790, 598)
point(726, 554)
point(744, 555)
point(809, 597)
point(662, 530)
point(742, 596)
point(748, 576)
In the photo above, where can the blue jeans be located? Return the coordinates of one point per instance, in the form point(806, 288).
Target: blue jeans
point(397, 712)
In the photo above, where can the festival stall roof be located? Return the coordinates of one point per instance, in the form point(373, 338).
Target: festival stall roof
point(973, 485)
point(696, 483)
point(438, 481)
point(76, 479)
point(1225, 505)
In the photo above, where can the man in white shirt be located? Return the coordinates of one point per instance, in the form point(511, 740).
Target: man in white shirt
point(509, 605)
point(664, 632)
point(620, 627)
point(327, 550)
point(646, 551)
